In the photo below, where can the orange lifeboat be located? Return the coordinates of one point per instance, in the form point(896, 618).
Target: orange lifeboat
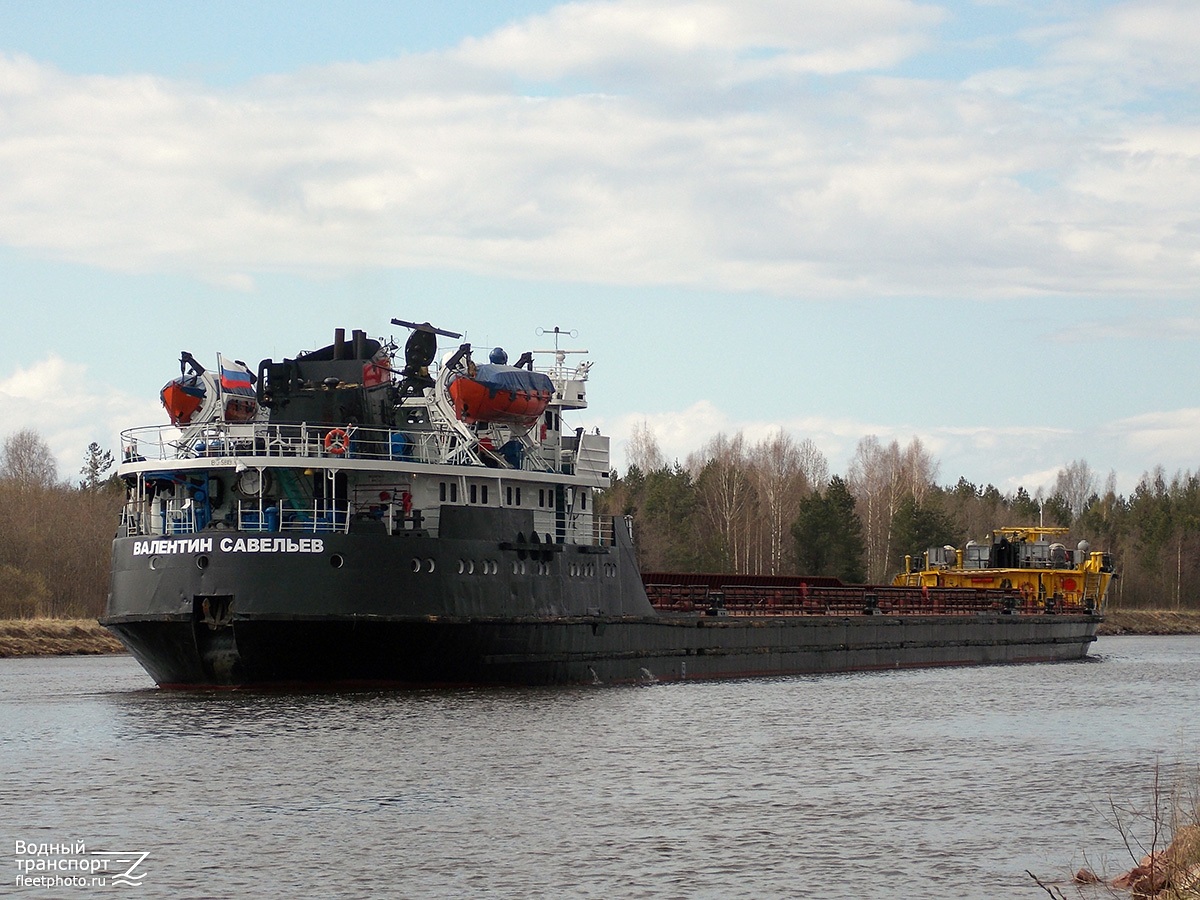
point(501, 394)
point(182, 397)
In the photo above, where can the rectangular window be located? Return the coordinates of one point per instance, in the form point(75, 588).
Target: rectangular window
point(508, 496)
point(583, 499)
point(442, 492)
point(541, 496)
point(474, 494)
point(483, 494)
point(454, 492)
point(518, 496)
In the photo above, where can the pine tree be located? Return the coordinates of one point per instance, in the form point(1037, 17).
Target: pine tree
point(95, 463)
point(828, 534)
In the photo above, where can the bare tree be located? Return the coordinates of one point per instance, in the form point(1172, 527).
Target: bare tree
point(920, 469)
point(28, 461)
point(875, 477)
point(881, 477)
point(725, 492)
point(643, 450)
point(780, 484)
point(813, 464)
point(1076, 484)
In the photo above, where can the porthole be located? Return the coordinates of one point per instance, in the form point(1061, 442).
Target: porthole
point(155, 562)
point(416, 565)
point(462, 566)
point(337, 560)
point(430, 565)
point(201, 561)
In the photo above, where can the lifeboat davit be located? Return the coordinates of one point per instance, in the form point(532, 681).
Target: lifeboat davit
point(502, 394)
point(199, 396)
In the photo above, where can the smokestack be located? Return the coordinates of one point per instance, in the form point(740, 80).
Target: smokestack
point(339, 343)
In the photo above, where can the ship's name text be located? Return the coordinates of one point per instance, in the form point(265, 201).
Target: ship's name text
point(229, 545)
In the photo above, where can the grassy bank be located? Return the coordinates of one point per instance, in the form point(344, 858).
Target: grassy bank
point(55, 637)
point(1150, 621)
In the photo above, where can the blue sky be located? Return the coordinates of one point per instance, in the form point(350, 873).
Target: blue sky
point(972, 223)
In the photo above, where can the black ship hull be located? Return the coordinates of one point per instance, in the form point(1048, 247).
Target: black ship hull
point(363, 609)
point(182, 653)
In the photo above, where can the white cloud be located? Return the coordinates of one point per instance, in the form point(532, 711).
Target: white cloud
point(1008, 457)
point(1130, 328)
point(1168, 437)
point(63, 403)
point(705, 38)
point(690, 143)
point(1140, 42)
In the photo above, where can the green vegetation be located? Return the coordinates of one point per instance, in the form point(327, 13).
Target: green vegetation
point(773, 508)
point(828, 533)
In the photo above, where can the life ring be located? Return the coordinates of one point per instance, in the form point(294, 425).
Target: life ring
point(337, 441)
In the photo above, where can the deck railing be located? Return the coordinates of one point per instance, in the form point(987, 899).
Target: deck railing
point(265, 440)
point(847, 600)
point(262, 440)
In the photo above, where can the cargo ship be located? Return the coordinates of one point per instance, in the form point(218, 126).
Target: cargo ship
point(338, 518)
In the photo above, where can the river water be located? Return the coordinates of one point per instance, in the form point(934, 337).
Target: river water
point(923, 783)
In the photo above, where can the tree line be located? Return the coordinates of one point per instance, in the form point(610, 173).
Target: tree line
point(55, 535)
point(772, 507)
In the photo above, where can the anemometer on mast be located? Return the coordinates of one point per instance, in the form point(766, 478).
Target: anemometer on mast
point(560, 353)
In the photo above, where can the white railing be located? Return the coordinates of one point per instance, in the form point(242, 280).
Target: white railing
point(436, 444)
point(264, 440)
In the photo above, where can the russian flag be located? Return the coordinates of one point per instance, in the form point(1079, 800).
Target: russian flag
point(235, 377)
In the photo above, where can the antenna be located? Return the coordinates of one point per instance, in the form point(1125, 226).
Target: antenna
point(559, 353)
point(556, 331)
point(425, 326)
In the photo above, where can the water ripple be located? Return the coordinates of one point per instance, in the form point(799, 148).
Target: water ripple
point(900, 784)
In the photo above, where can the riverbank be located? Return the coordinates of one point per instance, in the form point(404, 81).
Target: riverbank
point(1150, 621)
point(55, 637)
point(74, 637)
